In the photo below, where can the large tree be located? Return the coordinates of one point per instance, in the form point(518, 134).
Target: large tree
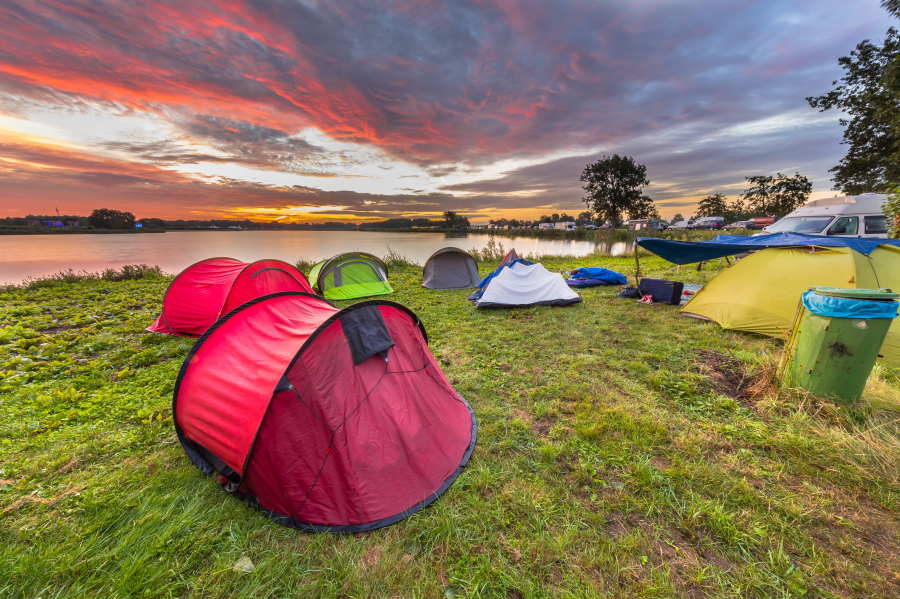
point(107, 218)
point(713, 205)
point(643, 208)
point(778, 195)
point(614, 186)
point(453, 219)
point(869, 94)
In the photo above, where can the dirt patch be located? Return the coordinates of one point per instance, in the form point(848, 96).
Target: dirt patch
point(660, 463)
point(541, 427)
point(28, 499)
point(622, 326)
point(839, 350)
point(615, 524)
point(727, 374)
point(371, 558)
point(70, 466)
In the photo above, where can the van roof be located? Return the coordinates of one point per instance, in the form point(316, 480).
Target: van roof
point(867, 203)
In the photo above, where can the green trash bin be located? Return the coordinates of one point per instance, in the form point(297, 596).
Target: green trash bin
point(835, 340)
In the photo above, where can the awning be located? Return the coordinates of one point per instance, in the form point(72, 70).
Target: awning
point(688, 252)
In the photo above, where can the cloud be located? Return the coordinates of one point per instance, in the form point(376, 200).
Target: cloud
point(448, 87)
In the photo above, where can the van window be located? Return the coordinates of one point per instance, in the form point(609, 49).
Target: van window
point(875, 224)
point(849, 223)
point(800, 224)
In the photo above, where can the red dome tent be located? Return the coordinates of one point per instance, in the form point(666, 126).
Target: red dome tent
point(210, 288)
point(328, 420)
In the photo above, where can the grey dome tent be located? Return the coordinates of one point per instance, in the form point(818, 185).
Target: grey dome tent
point(450, 268)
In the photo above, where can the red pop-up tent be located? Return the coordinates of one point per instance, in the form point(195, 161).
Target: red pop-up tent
point(203, 292)
point(328, 420)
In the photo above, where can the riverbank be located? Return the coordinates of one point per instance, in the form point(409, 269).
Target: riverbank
point(623, 451)
point(63, 231)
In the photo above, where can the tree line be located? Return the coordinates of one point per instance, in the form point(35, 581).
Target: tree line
point(614, 188)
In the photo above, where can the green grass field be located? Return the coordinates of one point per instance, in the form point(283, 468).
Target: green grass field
point(623, 451)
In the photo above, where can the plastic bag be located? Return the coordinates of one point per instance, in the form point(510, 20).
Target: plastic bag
point(629, 293)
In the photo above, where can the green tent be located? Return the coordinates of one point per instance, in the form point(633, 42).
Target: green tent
point(349, 276)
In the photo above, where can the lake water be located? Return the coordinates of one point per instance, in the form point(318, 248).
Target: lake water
point(23, 256)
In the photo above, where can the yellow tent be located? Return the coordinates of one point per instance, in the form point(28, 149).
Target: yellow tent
point(760, 293)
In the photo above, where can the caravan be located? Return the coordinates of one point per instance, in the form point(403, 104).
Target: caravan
point(850, 216)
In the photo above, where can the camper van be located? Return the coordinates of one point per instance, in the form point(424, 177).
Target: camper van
point(545, 226)
point(645, 224)
point(851, 216)
point(570, 226)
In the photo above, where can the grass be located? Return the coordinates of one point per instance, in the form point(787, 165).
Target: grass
point(623, 451)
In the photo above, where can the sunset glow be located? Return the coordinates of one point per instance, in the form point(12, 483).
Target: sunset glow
point(350, 111)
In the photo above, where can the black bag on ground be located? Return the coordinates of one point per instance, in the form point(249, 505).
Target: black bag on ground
point(630, 293)
point(662, 292)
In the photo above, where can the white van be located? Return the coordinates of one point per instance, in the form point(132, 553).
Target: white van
point(570, 226)
point(545, 226)
point(851, 216)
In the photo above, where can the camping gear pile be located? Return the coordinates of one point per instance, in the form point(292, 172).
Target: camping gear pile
point(593, 276)
point(351, 275)
point(518, 283)
point(660, 291)
point(759, 293)
point(204, 291)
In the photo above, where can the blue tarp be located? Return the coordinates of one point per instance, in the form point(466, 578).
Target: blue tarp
point(604, 275)
point(484, 282)
point(840, 307)
point(688, 252)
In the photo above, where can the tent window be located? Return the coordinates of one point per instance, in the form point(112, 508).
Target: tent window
point(846, 225)
point(875, 224)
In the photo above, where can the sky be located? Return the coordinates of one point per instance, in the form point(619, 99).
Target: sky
point(354, 110)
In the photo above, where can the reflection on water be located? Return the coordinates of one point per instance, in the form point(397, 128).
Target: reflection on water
point(24, 256)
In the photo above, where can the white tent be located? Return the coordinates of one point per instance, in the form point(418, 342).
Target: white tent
point(522, 285)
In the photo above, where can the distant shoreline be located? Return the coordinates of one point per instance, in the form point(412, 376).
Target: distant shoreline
point(49, 231)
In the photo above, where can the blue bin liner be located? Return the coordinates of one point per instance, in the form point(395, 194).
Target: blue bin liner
point(839, 307)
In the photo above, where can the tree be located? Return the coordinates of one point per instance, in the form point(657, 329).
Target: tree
point(554, 217)
point(585, 218)
point(545, 219)
point(153, 223)
point(565, 218)
point(643, 208)
point(892, 212)
point(872, 101)
point(776, 196)
point(106, 218)
point(614, 186)
point(892, 6)
point(735, 211)
point(676, 219)
point(714, 205)
point(453, 220)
